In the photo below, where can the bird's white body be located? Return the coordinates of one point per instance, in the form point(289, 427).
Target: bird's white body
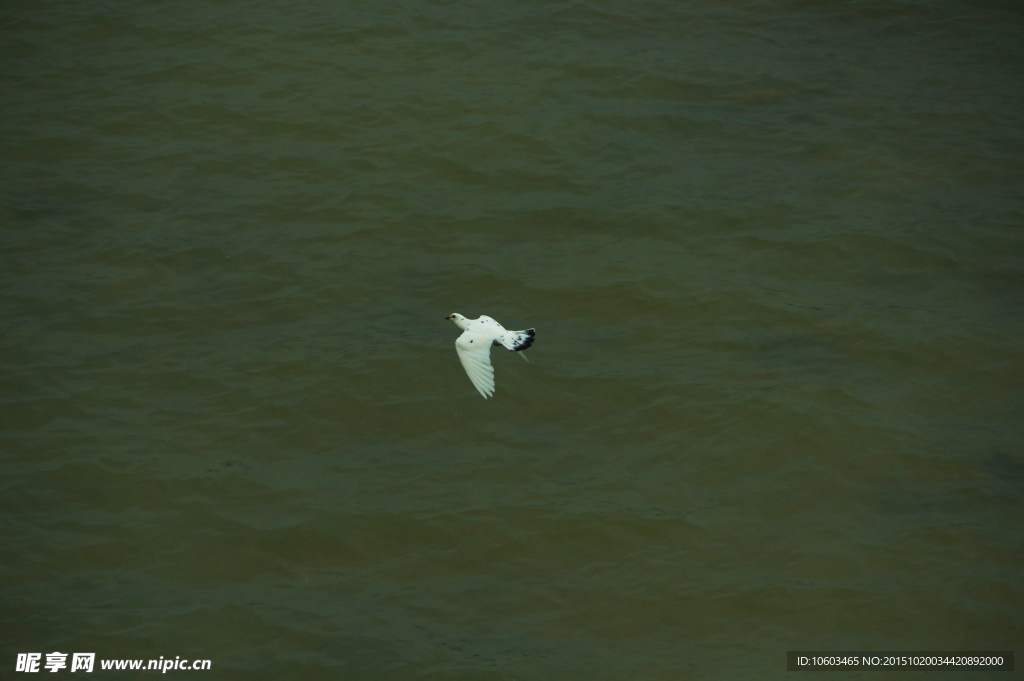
point(474, 347)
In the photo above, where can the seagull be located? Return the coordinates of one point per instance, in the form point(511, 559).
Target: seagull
point(474, 347)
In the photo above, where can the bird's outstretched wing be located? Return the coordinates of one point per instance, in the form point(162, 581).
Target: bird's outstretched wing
point(517, 340)
point(475, 354)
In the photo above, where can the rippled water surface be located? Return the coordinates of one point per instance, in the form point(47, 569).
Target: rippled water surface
point(773, 252)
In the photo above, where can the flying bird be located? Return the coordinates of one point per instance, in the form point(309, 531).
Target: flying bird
point(474, 347)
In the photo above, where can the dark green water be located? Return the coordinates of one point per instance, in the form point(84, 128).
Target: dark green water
point(773, 251)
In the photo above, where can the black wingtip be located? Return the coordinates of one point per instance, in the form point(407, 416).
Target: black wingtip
point(525, 344)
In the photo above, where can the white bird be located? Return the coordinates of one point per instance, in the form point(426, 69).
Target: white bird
point(474, 347)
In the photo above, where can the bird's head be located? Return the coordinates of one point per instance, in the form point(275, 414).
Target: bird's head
point(459, 320)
